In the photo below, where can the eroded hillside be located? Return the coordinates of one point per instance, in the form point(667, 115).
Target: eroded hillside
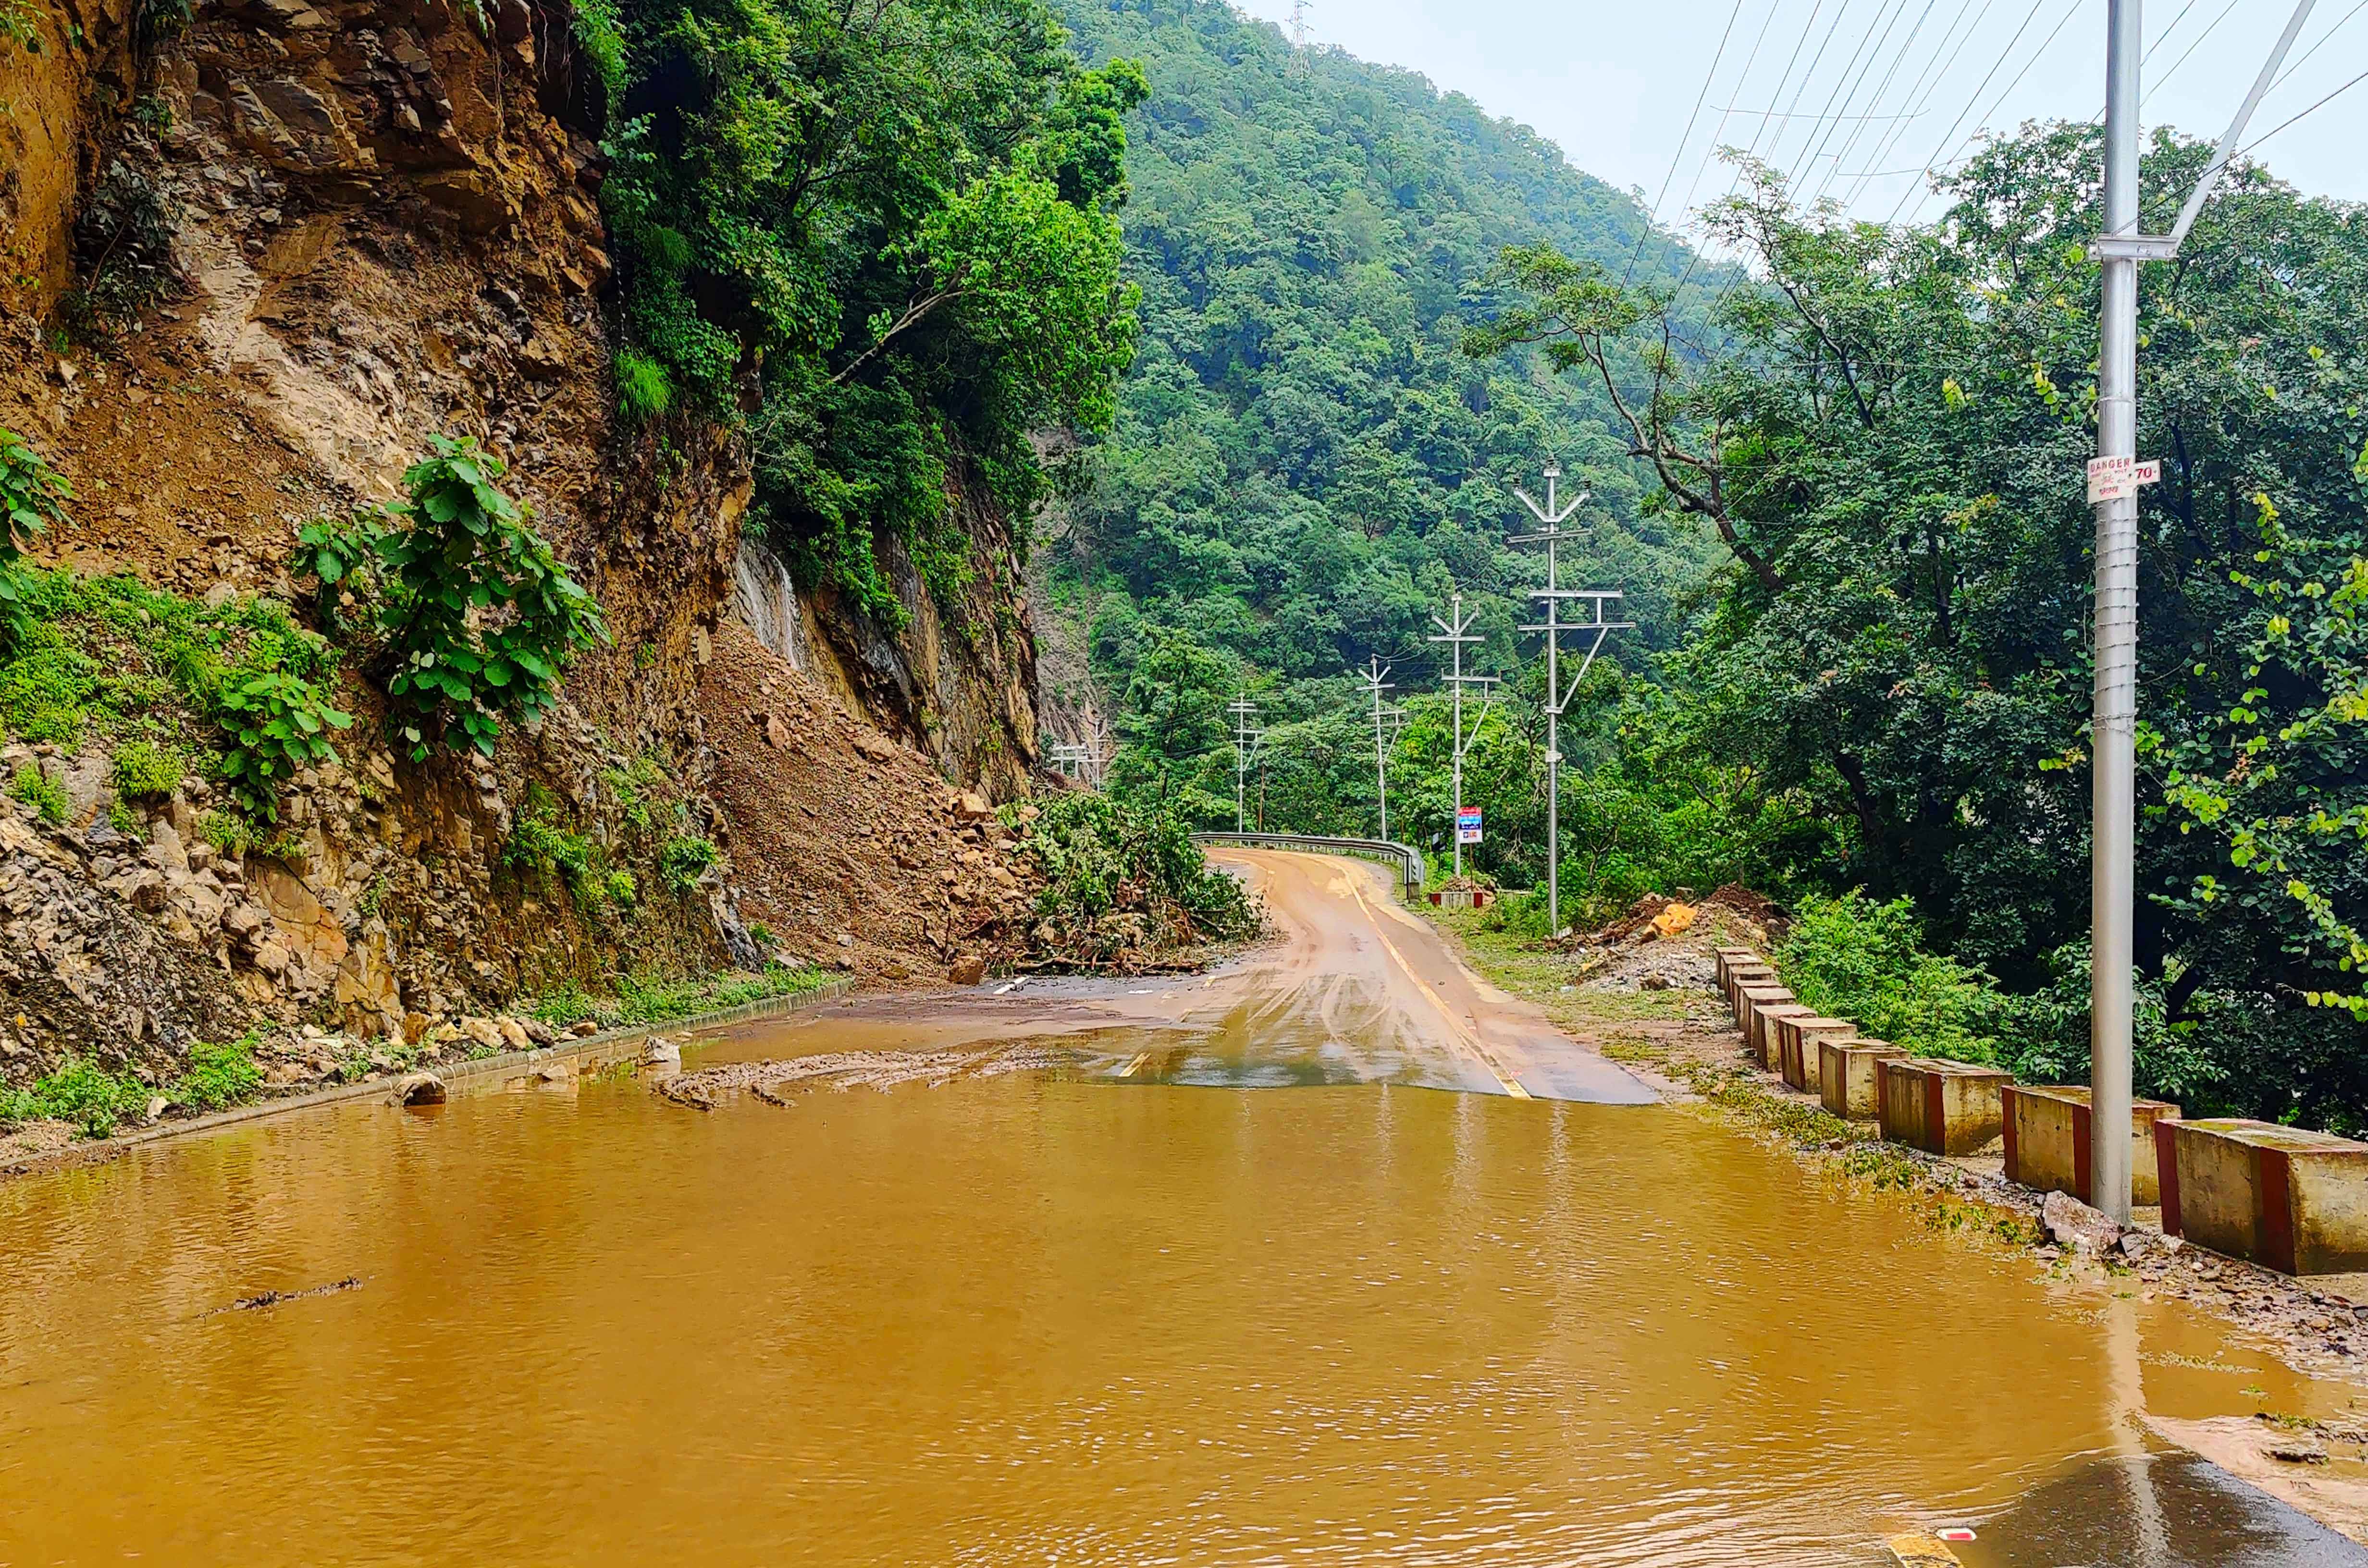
point(256, 262)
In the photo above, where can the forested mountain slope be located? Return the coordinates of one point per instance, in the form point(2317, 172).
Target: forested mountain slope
point(1304, 465)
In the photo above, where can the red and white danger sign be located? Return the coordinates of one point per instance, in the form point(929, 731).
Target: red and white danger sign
point(2112, 478)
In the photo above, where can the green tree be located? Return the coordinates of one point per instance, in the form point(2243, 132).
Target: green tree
point(889, 227)
point(1894, 452)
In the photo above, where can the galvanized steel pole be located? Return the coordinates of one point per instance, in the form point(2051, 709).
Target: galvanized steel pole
point(2112, 730)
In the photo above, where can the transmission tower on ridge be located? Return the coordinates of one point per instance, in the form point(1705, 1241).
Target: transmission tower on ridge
point(1299, 37)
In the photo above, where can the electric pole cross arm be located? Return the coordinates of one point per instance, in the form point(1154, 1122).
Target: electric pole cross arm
point(2118, 245)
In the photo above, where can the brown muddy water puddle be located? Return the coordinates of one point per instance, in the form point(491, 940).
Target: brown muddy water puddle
point(1062, 1318)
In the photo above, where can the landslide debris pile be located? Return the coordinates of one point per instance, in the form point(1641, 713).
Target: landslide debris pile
point(768, 1080)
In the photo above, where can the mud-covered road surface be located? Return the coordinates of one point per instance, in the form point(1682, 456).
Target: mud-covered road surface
point(1350, 988)
point(1193, 1272)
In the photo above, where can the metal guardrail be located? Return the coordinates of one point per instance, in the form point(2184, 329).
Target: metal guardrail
point(1405, 857)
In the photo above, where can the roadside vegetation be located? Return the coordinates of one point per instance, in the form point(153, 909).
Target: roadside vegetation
point(894, 287)
point(97, 1101)
point(660, 999)
point(1125, 887)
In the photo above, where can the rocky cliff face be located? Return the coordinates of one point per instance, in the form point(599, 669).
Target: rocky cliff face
point(960, 689)
point(381, 220)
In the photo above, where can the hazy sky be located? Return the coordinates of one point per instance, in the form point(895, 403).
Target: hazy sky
point(1616, 83)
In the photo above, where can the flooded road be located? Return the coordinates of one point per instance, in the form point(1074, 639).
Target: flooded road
point(1132, 1310)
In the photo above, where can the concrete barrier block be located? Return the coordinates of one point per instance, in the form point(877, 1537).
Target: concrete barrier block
point(1752, 1001)
point(1739, 975)
point(2286, 1198)
point(1942, 1108)
point(1850, 1076)
point(1761, 1037)
point(1723, 957)
point(1796, 1046)
point(1751, 994)
point(2047, 1141)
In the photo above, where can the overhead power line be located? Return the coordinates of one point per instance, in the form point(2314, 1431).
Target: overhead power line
point(1711, 150)
point(2322, 102)
point(1925, 88)
point(2314, 49)
point(1678, 156)
point(1851, 145)
point(2155, 86)
point(1948, 150)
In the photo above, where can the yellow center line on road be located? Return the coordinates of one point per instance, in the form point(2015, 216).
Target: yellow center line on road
point(1447, 1015)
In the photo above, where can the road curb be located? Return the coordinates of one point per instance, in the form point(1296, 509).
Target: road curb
point(602, 1046)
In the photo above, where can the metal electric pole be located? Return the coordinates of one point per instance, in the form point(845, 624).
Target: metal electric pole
point(1246, 737)
point(1596, 629)
point(1455, 631)
point(1374, 677)
point(2114, 479)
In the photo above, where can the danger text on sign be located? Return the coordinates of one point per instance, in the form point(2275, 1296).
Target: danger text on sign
point(2114, 479)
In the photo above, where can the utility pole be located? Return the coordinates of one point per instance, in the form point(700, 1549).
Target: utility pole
point(1375, 675)
point(1245, 738)
point(1455, 631)
point(1595, 628)
point(2114, 477)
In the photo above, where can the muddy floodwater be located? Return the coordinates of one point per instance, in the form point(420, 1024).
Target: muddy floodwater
point(1080, 1315)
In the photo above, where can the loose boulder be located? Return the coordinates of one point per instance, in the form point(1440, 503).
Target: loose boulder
point(420, 1089)
point(2074, 1225)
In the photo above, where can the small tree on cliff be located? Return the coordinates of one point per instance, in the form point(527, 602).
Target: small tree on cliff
point(477, 617)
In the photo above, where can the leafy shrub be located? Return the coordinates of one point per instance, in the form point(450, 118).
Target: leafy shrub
point(31, 494)
point(1852, 958)
point(1106, 856)
point(19, 24)
point(229, 832)
point(144, 770)
point(476, 616)
point(684, 860)
point(96, 1100)
point(600, 34)
point(219, 1075)
point(46, 689)
point(40, 792)
point(161, 19)
point(541, 845)
point(85, 1094)
point(622, 888)
point(337, 554)
point(123, 242)
point(234, 688)
point(280, 723)
point(760, 933)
